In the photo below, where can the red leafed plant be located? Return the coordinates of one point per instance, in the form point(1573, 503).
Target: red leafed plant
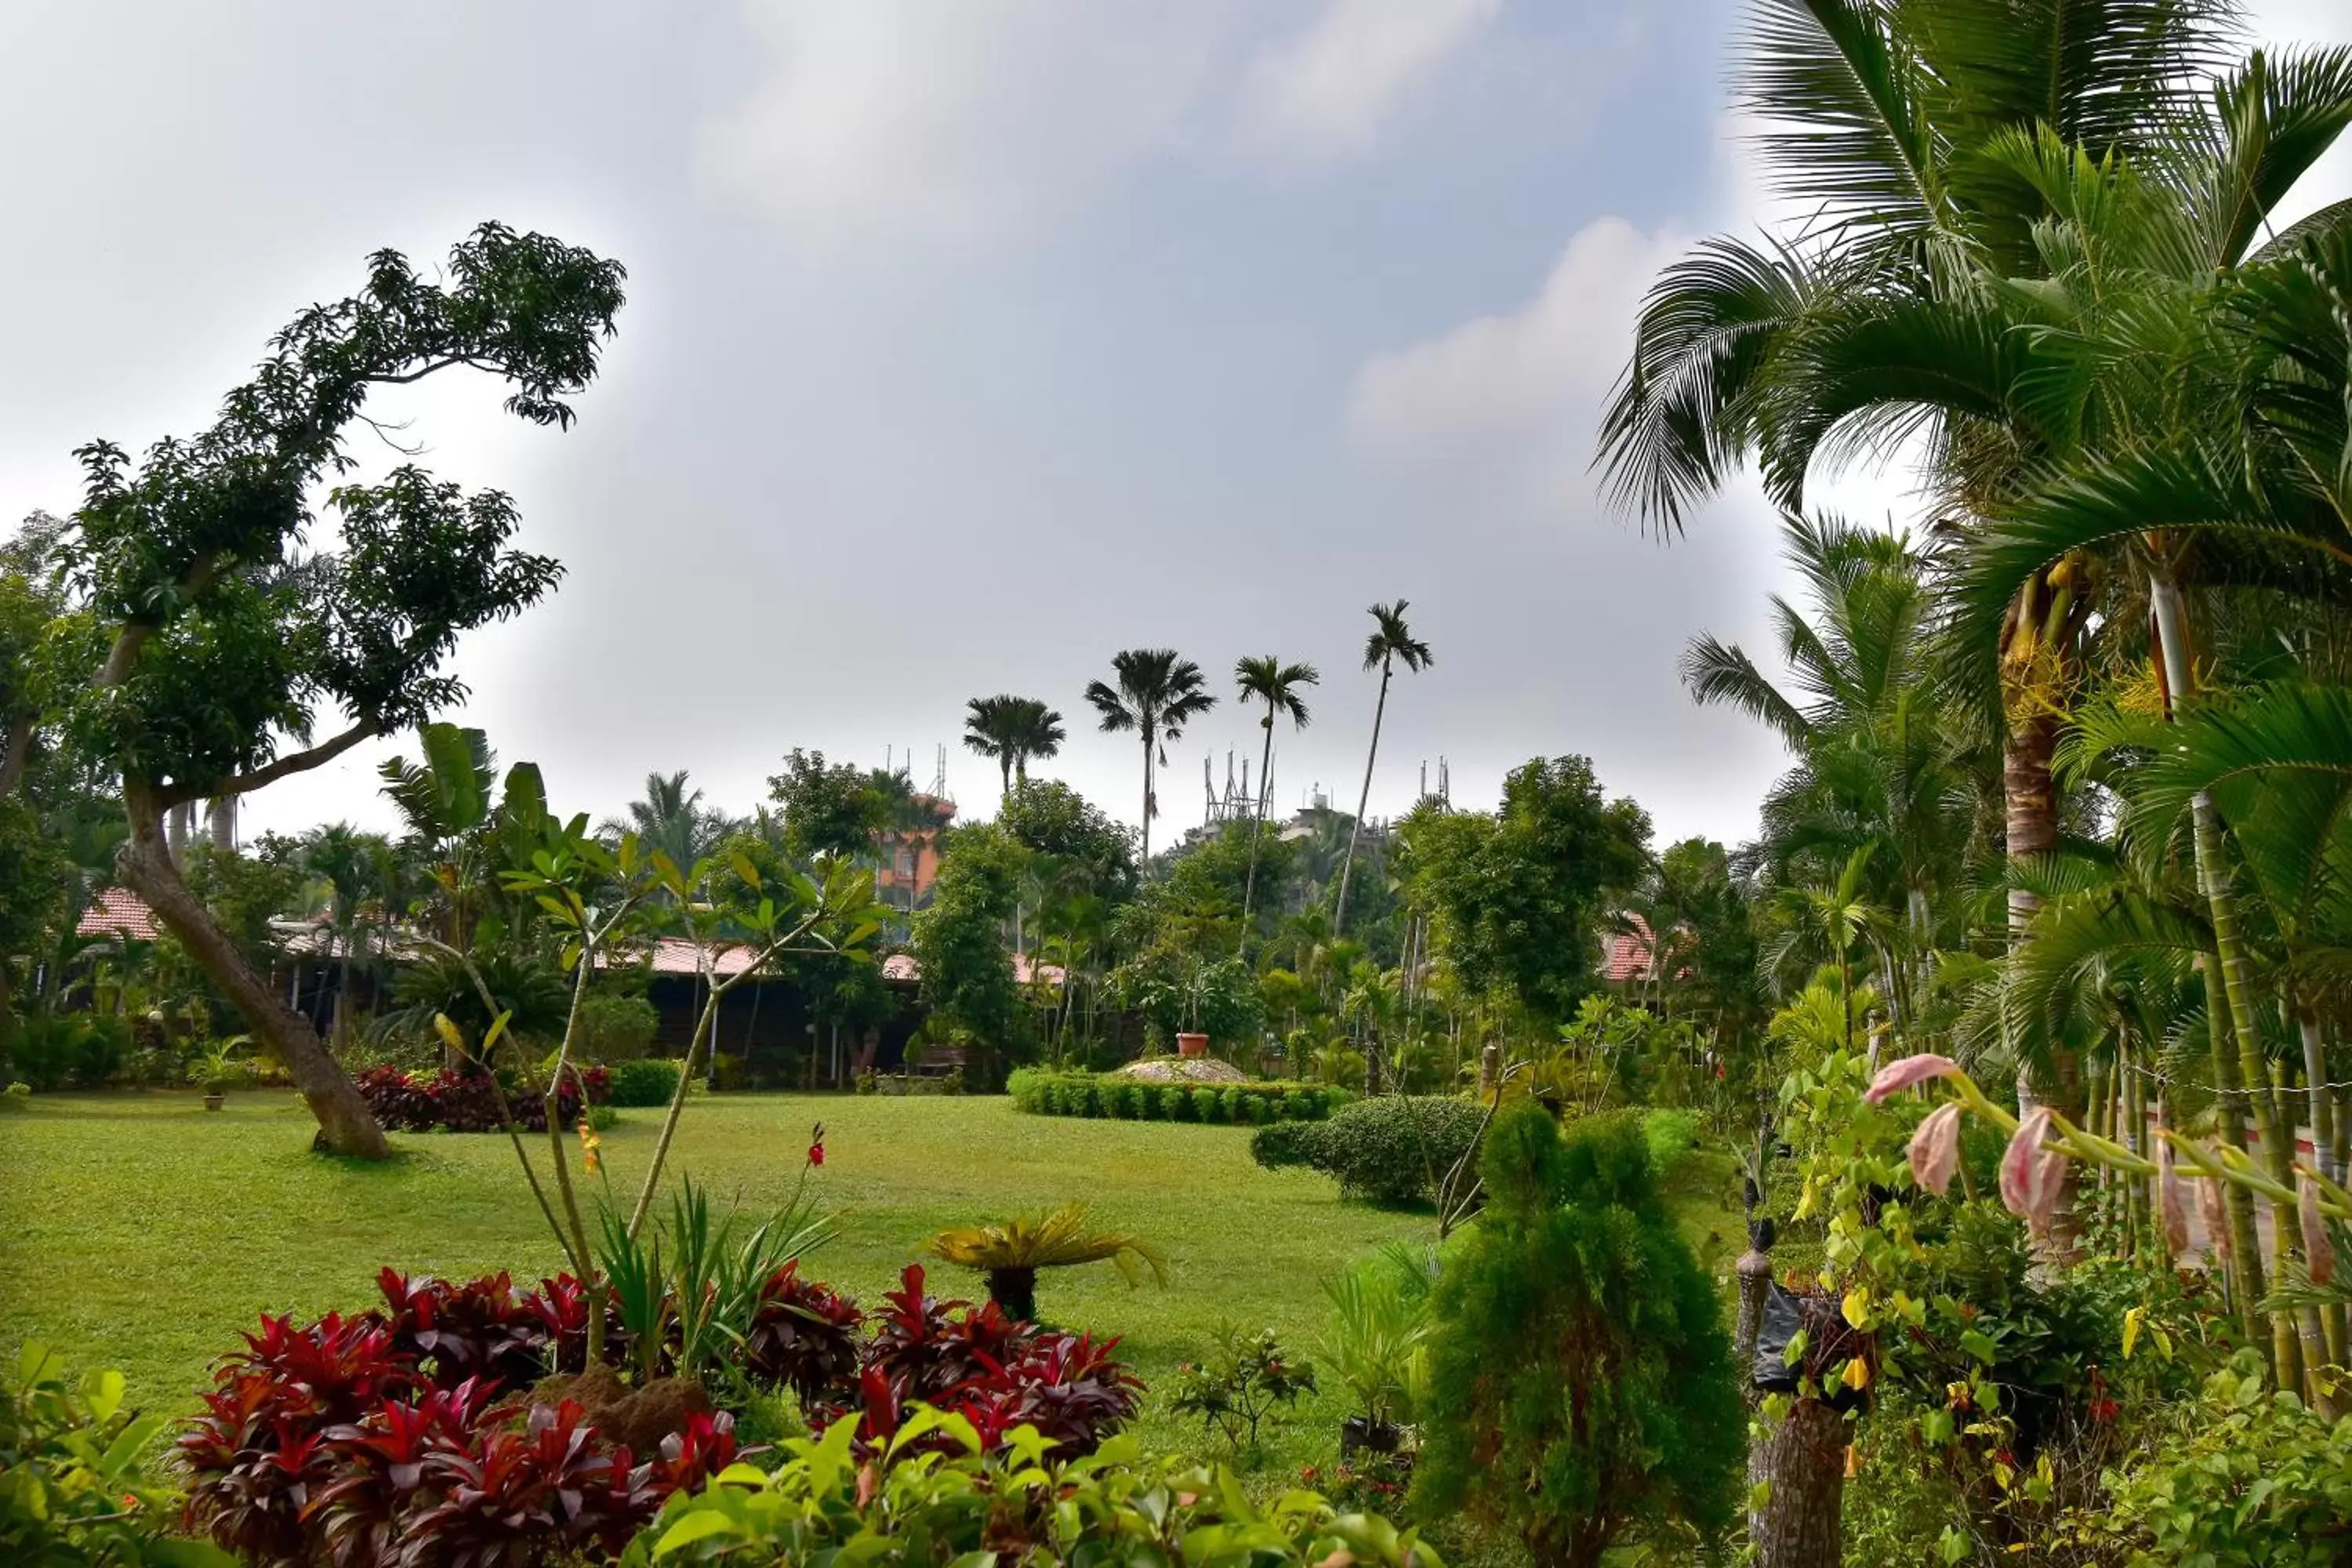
point(803, 1337)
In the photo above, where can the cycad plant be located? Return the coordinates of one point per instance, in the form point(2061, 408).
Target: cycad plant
point(1011, 1252)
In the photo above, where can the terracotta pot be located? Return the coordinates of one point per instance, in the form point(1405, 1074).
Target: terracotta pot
point(215, 1102)
point(1191, 1045)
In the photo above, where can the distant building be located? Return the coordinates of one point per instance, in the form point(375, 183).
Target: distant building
point(907, 858)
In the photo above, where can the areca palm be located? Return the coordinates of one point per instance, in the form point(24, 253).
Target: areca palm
point(357, 870)
point(1158, 693)
point(1262, 678)
point(1011, 731)
point(1391, 643)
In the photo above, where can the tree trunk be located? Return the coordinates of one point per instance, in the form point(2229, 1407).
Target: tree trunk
point(224, 823)
point(1014, 1292)
point(1363, 802)
point(2296, 1339)
point(1257, 827)
point(146, 868)
point(1143, 867)
point(1802, 1461)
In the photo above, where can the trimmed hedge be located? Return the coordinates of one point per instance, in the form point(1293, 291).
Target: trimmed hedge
point(645, 1081)
point(1042, 1092)
point(1381, 1150)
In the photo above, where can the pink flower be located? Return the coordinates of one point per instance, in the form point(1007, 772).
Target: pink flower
point(2216, 1216)
point(2169, 1205)
point(2031, 1177)
point(2318, 1247)
point(1935, 1148)
point(1896, 1077)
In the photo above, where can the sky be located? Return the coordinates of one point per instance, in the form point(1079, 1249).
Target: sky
point(967, 342)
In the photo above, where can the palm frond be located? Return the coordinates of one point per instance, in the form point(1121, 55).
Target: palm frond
point(1058, 1239)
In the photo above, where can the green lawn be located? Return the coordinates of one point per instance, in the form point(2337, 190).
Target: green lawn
point(142, 1232)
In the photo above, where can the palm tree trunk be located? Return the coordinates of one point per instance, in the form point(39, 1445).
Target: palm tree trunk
point(1257, 827)
point(1144, 867)
point(2273, 1131)
point(1004, 766)
point(1363, 800)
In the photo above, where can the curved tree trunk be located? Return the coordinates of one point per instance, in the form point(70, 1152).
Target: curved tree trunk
point(1363, 800)
point(147, 868)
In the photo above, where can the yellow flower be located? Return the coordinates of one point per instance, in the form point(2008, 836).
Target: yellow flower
point(589, 1144)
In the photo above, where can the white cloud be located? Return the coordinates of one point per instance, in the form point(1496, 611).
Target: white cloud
point(1533, 374)
point(1325, 92)
point(958, 121)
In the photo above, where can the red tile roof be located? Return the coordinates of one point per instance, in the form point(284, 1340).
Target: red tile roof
point(1628, 953)
point(119, 911)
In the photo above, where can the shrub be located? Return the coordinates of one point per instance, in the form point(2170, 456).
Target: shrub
point(377, 1438)
point(1279, 1145)
point(73, 1490)
point(614, 1029)
point(1236, 1390)
point(1671, 1136)
point(467, 1101)
point(1020, 1505)
point(1395, 1149)
point(646, 1081)
point(1579, 1388)
point(803, 1337)
point(1042, 1092)
point(79, 1050)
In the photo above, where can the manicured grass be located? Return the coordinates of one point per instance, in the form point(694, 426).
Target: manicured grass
point(140, 1231)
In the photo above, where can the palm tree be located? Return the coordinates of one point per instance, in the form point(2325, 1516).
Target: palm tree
point(1265, 679)
point(672, 819)
point(357, 870)
point(1012, 730)
point(1011, 1252)
point(1157, 695)
point(1391, 643)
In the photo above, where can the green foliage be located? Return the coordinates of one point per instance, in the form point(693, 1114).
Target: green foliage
point(1017, 1503)
point(614, 1028)
point(1518, 896)
point(646, 1081)
point(1671, 1136)
point(73, 1492)
point(1395, 1149)
point(959, 943)
point(1581, 1389)
point(1041, 1092)
point(60, 1050)
point(1380, 1324)
point(828, 810)
point(2246, 1476)
point(1240, 1385)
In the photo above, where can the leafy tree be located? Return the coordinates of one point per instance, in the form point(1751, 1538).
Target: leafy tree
point(959, 943)
point(1391, 643)
point(1580, 1391)
point(1012, 730)
point(828, 810)
point(1157, 695)
point(1262, 678)
point(1520, 897)
point(1051, 819)
point(208, 642)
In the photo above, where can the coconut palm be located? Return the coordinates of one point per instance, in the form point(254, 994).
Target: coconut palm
point(1011, 1252)
point(1012, 730)
point(1391, 643)
point(672, 819)
point(1158, 693)
point(1262, 678)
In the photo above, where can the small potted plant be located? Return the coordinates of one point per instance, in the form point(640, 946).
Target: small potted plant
point(217, 1071)
point(1190, 1042)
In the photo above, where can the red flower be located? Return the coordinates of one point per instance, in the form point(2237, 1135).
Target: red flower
point(816, 1153)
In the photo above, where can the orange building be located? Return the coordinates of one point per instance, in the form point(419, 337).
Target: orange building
point(907, 858)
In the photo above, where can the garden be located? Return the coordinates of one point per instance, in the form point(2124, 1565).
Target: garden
point(1958, 1173)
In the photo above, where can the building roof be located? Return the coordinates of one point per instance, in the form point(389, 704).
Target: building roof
point(902, 969)
point(1627, 954)
point(119, 911)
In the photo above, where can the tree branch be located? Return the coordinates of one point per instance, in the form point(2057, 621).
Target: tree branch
point(299, 762)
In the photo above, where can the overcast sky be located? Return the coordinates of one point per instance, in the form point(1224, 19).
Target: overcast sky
point(968, 342)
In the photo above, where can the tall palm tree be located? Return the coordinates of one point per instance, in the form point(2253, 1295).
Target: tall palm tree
point(1158, 694)
point(1262, 678)
point(1391, 643)
point(1012, 730)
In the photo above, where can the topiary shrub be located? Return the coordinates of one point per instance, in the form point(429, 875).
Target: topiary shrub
point(1396, 1149)
point(614, 1029)
point(646, 1081)
point(1580, 1392)
point(1280, 1146)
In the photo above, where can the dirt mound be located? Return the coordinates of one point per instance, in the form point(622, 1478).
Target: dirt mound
point(638, 1417)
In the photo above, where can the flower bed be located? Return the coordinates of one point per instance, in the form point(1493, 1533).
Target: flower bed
point(464, 1103)
point(1045, 1093)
